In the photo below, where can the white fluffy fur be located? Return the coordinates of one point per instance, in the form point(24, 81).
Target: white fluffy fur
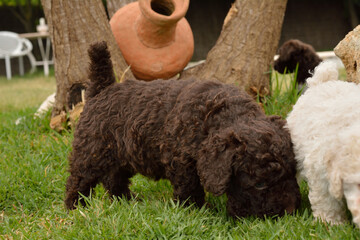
point(325, 129)
point(45, 106)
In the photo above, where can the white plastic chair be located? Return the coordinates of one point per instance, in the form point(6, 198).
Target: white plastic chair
point(11, 45)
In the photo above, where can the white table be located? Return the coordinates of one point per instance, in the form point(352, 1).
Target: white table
point(44, 50)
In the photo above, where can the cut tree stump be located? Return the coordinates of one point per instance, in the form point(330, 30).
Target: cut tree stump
point(73, 26)
point(243, 54)
point(348, 50)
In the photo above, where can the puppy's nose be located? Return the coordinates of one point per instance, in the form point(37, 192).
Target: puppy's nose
point(290, 209)
point(292, 203)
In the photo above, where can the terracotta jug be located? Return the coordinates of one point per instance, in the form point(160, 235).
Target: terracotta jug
point(154, 37)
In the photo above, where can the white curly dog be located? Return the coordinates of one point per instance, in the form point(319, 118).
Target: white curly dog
point(325, 129)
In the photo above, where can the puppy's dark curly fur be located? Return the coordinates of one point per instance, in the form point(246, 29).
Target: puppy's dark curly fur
point(295, 52)
point(198, 134)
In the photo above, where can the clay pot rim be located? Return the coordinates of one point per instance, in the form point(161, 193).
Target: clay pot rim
point(179, 12)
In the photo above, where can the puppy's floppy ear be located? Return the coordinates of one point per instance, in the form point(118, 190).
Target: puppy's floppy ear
point(214, 166)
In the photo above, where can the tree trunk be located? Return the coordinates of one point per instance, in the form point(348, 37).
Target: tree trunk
point(73, 26)
point(245, 50)
point(114, 5)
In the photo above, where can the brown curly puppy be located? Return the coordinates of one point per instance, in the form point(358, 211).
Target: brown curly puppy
point(295, 52)
point(198, 134)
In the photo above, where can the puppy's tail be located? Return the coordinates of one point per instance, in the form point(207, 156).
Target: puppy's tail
point(101, 73)
point(325, 71)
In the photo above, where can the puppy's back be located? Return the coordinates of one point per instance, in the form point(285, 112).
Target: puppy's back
point(326, 71)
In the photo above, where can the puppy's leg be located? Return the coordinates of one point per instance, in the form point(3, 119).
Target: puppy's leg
point(87, 166)
point(187, 185)
point(323, 204)
point(78, 183)
point(352, 195)
point(117, 182)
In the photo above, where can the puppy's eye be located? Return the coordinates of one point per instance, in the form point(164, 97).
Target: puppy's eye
point(260, 186)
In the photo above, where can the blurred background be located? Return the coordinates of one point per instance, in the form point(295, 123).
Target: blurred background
point(321, 23)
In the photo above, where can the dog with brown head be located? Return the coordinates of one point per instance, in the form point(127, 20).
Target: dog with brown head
point(201, 135)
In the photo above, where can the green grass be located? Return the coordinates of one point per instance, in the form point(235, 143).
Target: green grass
point(28, 91)
point(33, 164)
point(284, 93)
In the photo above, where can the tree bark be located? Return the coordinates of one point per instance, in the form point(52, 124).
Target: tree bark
point(73, 26)
point(244, 52)
point(114, 5)
point(348, 50)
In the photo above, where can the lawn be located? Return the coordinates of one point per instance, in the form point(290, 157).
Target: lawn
point(24, 92)
point(33, 172)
